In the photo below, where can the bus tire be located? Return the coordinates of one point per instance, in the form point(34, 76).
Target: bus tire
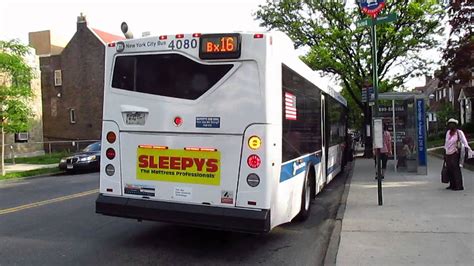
point(306, 196)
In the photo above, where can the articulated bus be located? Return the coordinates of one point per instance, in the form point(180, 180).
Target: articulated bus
point(224, 131)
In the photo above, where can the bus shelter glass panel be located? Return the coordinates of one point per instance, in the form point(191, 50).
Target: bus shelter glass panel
point(399, 117)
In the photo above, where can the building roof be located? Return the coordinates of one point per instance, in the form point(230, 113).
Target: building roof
point(431, 84)
point(107, 37)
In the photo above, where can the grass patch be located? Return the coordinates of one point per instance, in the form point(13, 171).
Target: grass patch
point(35, 172)
point(439, 151)
point(43, 159)
point(435, 143)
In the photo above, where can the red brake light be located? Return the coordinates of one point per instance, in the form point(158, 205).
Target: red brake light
point(110, 153)
point(112, 44)
point(178, 121)
point(254, 161)
point(111, 137)
point(258, 36)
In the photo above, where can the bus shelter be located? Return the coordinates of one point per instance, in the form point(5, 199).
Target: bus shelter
point(405, 115)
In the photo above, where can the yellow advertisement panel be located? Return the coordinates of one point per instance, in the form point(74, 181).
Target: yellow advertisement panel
point(194, 167)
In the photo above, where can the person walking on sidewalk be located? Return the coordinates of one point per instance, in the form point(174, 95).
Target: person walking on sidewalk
point(455, 139)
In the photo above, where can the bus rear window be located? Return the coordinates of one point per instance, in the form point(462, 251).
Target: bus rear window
point(170, 75)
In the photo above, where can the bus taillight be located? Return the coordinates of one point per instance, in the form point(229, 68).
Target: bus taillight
point(253, 180)
point(254, 161)
point(110, 153)
point(110, 170)
point(254, 143)
point(111, 137)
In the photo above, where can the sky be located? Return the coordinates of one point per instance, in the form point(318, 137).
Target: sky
point(159, 17)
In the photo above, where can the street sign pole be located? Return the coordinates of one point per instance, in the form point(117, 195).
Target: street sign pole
point(372, 9)
point(375, 82)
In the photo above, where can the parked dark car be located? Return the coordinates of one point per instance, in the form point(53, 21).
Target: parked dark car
point(86, 160)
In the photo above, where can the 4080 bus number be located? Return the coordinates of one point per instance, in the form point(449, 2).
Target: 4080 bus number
point(183, 44)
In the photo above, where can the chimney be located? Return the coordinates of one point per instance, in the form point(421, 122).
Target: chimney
point(81, 22)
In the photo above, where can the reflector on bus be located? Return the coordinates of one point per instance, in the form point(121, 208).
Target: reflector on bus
point(153, 147)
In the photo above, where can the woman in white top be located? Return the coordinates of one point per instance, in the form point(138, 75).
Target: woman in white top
point(452, 146)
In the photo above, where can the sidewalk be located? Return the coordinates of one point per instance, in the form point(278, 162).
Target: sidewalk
point(419, 223)
point(21, 167)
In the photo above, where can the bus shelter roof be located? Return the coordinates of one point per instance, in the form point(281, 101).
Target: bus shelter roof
point(400, 95)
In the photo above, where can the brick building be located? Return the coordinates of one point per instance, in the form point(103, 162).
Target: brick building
point(72, 85)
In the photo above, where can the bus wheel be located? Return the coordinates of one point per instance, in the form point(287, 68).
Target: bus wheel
point(306, 197)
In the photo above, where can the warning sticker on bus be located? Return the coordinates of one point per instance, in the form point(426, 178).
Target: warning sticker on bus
point(181, 166)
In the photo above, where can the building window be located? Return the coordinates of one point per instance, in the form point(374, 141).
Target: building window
point(444, 93)
point(58, 80)
point(72, 116)
point(21, 137)
point(451, 94)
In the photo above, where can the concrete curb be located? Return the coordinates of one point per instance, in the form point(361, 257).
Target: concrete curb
point(333, 247)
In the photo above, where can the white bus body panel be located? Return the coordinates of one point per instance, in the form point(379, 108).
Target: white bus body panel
point(248, 101)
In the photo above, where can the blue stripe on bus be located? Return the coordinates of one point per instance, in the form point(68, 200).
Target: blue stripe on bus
point(288, 171)
point(332, 169)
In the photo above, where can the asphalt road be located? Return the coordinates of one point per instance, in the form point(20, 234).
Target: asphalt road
point(52, 221)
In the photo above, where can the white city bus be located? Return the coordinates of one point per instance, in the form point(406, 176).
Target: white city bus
point(225, 131)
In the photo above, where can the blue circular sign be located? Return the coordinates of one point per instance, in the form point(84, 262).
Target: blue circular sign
point(372, 7)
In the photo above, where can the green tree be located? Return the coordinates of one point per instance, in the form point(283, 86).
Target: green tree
point(337, 47)
point(15, 90)
point(460, 47)
point(445, 113)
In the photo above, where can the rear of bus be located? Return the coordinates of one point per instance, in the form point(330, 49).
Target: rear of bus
point(184, 136)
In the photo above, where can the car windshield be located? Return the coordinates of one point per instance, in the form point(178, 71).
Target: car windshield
point(92, 147)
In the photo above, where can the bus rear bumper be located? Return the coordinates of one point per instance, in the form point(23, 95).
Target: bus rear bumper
point(252, 221)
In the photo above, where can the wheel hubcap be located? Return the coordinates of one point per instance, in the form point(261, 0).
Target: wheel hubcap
point(307, 195)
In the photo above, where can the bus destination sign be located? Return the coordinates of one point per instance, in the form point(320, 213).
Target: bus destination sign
point(220, 46)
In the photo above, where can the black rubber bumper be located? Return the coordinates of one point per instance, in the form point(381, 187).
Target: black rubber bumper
point(252, 221)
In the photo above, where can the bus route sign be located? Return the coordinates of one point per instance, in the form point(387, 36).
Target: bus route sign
point(372, 7)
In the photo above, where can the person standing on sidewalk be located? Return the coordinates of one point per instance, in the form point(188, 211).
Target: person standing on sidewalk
point(455, 138)
point(385, 151)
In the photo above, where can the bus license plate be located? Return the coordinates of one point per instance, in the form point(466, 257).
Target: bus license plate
point(135, 118)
